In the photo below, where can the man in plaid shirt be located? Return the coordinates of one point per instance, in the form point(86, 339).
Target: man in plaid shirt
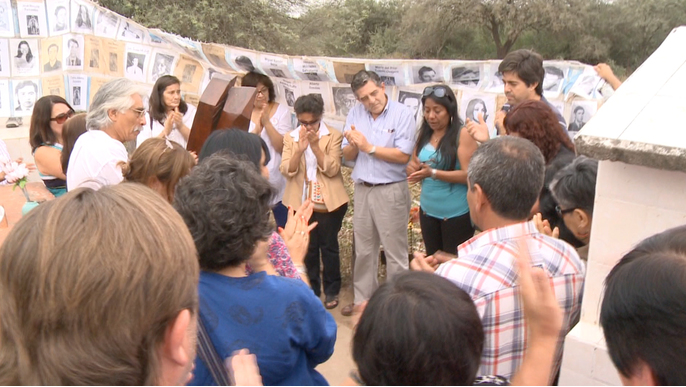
point(500, 201)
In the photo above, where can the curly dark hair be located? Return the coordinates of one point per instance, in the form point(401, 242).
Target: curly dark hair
point(225, 204)
point(536, 122)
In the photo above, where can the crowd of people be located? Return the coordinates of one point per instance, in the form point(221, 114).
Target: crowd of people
point(166, 267)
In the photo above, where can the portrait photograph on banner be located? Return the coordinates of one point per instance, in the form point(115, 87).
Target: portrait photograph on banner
point(412, 98)
point(72, 55)
point(137, 58)
point(114, 54)
point(493, 82)
point(6, 19)
point(25, 92)
point(243, 60)
point(106, 23)
point(473, 104)
point(54, 85)
point(466, 74)
point(288, 90)
point(5, 58)
point(82, 17)
point(426, 72)
point(554, 78)
point(5, 104)
point(309, 70)
point(32, 21)
point(391, 73)
point(216, 54)
point(345, 71)
point(51, 54)
point(25, 57)
point(95, 60)
point(162, 64)
point(58, 17)
point(78, 91)
point(190, 73)
point(343, 99)
point(579, 113)
point(131, 32)
point(275, 66)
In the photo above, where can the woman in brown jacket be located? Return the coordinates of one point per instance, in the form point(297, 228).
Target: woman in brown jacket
point(311, 163)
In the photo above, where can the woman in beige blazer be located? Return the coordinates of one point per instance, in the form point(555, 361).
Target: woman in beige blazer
point(311, 163)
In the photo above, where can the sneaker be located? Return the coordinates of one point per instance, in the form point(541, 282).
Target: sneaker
point(14, 122)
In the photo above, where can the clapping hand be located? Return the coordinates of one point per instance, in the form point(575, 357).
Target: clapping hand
point(296, 233)
point(358, 140)
point(543, 226)
point(303, 141)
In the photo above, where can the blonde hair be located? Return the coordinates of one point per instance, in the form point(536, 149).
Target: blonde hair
point(89, 283)
point(159, 159)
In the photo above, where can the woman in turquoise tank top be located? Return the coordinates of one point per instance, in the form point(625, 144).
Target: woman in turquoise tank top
point(440, 162)
point(45, 135)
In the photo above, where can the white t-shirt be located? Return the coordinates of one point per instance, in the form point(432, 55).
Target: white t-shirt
point(282, 123)
point(149, 132)
point(94, 161)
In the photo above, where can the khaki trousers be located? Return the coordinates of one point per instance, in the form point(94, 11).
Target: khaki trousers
point(380, 217)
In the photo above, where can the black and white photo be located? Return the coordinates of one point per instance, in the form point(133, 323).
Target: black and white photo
point(467, 75)
point(344, 100)
point(277, 73)
point(427, 73)
point(81, 17)
point(106, 23)
point(162, 65)
point(32, 27)
point(25, 60)
point(290, 97)
point(134, 66)
point(53, 63)
point(25, 95)
point(130, 32)
point(387, 80)
point(73, 53)
point(76, 96)
point(412, 101)
point(188, 73)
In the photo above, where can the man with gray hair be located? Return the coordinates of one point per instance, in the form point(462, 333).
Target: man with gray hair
point(115, 116)
point(500, 200)
point(379, 137)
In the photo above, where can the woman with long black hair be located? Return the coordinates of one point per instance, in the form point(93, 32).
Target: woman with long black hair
point(439, 162)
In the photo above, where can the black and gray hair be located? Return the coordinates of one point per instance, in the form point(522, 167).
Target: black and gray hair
point(574, 185)
point(643, 312)
point(225, 204)
point(510, 171)
point(310, 103)
point(362, 77)
point(113, 95)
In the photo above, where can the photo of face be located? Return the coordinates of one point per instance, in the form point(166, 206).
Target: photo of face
point(553, 79)
point(411, 100)
point(344, 100)
point(113, 62)
point(26, 93)
point(60, 19)
point(244, 63)
point(474, 108)
point(427, 74)
point(466, 76)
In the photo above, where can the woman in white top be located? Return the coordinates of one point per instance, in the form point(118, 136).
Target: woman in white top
point(271, 121)
point(169, 116)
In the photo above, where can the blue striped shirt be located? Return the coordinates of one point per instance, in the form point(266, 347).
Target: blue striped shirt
point(394, 128)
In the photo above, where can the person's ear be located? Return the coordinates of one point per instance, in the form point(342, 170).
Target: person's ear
point(112, 113)
point(641, 375)
point(583, 220)
point(480, 199)
point(177, 351)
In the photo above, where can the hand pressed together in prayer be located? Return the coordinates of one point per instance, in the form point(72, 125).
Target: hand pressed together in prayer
point(422, 173)
point(303, 139)
point(358, 140)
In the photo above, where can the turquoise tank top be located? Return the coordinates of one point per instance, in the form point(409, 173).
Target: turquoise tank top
point(441, 199)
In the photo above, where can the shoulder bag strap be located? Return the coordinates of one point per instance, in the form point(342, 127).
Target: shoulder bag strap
point(210, 357)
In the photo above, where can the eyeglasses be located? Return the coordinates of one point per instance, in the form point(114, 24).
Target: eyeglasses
point(61, 118)
point(437, 91)
point(561, 212)
point(140, 112)
point(263, 91)
point(311, 123)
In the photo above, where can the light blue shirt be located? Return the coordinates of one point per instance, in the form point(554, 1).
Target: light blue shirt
point(394, 128)
point(441, 199)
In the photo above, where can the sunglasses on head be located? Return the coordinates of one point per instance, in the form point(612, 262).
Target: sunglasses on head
point(437, 91)
point(61, 118)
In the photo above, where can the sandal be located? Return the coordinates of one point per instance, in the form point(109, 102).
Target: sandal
point(331, 302)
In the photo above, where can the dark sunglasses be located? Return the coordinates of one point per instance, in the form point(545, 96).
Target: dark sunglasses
point(61, 118)
point(437, 91)
point(561, 212)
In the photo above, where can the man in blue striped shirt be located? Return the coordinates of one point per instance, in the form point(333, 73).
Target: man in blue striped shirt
point(379, 137)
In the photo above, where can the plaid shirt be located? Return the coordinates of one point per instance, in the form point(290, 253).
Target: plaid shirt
point(487, 270)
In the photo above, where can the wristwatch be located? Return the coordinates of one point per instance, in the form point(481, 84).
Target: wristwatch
point(433, 173)
point(372, 151)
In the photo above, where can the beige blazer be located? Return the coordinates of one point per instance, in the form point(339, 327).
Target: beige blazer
point(329, 177)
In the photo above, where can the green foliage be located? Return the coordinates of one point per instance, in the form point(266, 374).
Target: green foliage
point(620, 32)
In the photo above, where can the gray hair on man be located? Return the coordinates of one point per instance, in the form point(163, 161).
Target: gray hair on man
point(510, 171)
point(362, 77)
point(113, 95)
point(574, 185)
